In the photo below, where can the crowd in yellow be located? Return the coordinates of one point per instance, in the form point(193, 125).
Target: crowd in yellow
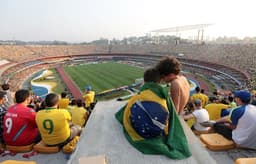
point(55, 121)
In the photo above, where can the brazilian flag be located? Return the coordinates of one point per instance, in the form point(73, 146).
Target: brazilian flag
point(174, 143)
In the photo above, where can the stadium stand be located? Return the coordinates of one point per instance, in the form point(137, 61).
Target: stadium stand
point(228, 81)
point(219, 63)
point(196, 58)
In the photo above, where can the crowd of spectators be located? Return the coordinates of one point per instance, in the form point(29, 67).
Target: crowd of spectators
point(238, 56)
point(15, 77)
point(232, 115)
point(31, 114)
point(31, 52)
point(244, 62)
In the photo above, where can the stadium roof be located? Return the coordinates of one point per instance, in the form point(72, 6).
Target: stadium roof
point(182, 28)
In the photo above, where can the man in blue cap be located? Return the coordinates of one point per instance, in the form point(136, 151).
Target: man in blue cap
point(89, 98)
point(242, 127)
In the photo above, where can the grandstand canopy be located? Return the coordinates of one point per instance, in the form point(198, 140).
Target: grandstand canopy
point(182, 28)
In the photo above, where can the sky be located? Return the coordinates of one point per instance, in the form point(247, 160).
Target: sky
point(87, 20)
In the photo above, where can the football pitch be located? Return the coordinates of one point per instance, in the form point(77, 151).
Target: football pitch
point(103, 76)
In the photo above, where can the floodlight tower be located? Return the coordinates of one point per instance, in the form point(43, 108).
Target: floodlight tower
point(178, 29)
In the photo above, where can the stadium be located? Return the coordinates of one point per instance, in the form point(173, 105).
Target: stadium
point(214, 67)
point(220, 72)
point(127, 82)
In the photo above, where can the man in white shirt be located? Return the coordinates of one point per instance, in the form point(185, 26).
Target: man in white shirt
point(200, 114)
point(242, 127)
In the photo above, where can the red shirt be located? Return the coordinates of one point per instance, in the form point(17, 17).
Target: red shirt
point(20, 127)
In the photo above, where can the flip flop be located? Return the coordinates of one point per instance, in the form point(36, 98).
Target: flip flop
point(7, 152)
point(28, 155)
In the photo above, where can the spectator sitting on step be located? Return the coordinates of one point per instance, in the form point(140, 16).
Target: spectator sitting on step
point(20, 127)
point(55, 125)
point(205, 97)
point(197, 95)
point(216, 109)
point(150, 121)
point(79, 114)
point(64, 101)
point(9, 95)
point(240, 124)
point(89, 98)
point(140, 125)
point(200, 114)
point(71, 105)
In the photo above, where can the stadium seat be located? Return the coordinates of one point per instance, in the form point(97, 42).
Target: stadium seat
point(196, 132)
point(71, 146)
point(19, 149)
point(42, 148)
point(101, 159)
point(17, 162)
point(216, 142)
point(245, 161)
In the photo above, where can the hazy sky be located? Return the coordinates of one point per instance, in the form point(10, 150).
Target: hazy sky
point(87, 20)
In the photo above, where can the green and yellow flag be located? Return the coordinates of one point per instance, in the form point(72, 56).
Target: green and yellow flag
point(174, 143)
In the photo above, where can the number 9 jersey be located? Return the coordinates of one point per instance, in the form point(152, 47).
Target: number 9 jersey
point(53, 125)
point(20, 127)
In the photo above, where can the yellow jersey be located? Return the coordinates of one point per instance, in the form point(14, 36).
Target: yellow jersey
point(63, 103)
point(89, 98)
point(215, 109)
point(197, 96)
point(53, 125)
point(206, 99)
point(78, 115)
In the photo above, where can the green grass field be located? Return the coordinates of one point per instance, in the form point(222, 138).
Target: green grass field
point(103, 76)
